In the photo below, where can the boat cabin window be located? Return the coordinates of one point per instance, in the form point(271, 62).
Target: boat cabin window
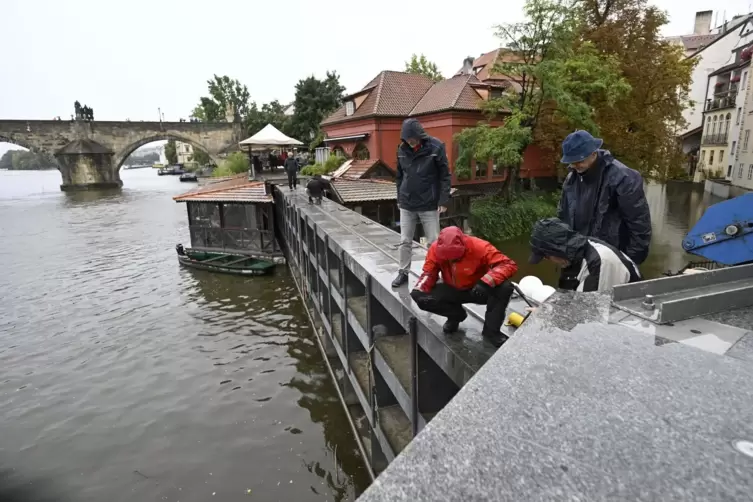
point(240, 216)
point(204, 215)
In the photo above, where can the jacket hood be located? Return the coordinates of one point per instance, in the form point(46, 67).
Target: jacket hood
point(412, 128)
point(450, 244)
point(552, 237)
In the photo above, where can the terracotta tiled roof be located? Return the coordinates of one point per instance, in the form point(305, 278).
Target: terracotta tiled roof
point(484, 64)
point(453, 93)
point(364, 190)
point(391, 93)
point(356, 169)
point(237, 189)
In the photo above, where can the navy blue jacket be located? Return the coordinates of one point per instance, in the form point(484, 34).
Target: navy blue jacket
point(611, 207)
point(423, 176)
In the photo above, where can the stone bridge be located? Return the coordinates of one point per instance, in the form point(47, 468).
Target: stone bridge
point(90, 154)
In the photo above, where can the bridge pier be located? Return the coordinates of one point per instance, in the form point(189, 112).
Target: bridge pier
point(87, 165)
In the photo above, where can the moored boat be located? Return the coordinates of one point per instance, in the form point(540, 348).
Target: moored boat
point(188, 177)
point(226, 263)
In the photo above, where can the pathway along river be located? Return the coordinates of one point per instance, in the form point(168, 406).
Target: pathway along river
point(124, 377)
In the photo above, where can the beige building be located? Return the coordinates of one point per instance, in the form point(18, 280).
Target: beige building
point(742, 170)
point(185, 152)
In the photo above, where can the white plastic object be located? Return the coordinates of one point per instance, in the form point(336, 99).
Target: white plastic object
point(543, 293)
point(529, 284)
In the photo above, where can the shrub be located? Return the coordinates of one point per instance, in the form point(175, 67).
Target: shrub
point(235, 163)
point(497, 218)
point(330, 165)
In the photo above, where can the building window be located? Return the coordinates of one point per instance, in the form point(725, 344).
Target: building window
point(726, 124)
point(737, 117)
point(481, 169)
point(713, 129)
point(733, 152)
point(711, 158)
point(740, 171)
point(350, 108)
point(721, 156)
point(703, 156)
point(708, 128)
point(750, 172)
point(745, 78)
point(495, 169)
point(745, 140)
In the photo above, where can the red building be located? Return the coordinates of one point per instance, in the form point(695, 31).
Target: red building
point(368, 124)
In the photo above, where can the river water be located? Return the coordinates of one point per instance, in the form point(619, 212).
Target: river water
point(124, 377)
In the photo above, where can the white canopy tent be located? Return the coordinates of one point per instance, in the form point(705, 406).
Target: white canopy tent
point(269, 137)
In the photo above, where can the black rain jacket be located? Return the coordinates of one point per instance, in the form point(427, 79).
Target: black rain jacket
point(614, 207)
point(423, 176)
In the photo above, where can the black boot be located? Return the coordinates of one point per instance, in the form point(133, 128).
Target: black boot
point(402, 278)
point(452, 324)
point(497, 339)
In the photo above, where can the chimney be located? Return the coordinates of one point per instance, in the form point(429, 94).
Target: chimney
point(467, 66)
point(703, 22)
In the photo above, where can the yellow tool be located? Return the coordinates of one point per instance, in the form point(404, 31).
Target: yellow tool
point(515, 319)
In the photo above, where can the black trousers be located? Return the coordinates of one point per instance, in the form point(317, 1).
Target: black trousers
point(292, 180)
point(447, 301)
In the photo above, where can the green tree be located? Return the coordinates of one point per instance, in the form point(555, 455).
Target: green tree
point(200, 157)
point(558, 79)
point(314, 100)
point(223, 91)
point(420, 65)
point(23, 160)
point(171, 152)
point(270, 113)
point(641, 126)
point(235, 163)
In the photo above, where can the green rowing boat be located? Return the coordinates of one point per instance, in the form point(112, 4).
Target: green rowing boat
point(224, 263)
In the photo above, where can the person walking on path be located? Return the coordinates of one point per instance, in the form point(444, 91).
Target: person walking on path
point(291, 168)
point(423, 189)
point(600, 266)
point(473, 271)
point(603, 198)
point(315, 189)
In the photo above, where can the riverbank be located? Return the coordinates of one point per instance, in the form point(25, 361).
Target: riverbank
point(498, 218)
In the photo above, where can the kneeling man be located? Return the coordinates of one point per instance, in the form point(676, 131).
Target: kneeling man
point(473, 271)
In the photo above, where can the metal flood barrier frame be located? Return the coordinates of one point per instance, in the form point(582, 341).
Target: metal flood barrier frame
point(399, 391)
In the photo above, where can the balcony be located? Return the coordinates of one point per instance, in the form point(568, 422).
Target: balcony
point(715, 139)
point(722, 101)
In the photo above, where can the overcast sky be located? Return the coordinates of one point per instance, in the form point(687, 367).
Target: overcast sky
point(126, 59)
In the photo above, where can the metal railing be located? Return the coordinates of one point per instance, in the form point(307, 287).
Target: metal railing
point(715, 139)
point(722, 101)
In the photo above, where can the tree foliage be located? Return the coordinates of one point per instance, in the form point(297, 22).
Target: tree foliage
point(314, 100)
point(235, 163)
point(223, 91)
point(171, 152)
point(270, 113)
point(640, 127)
point(420, 65)
point(24, 160)
point(200, 157)
point(558, 79)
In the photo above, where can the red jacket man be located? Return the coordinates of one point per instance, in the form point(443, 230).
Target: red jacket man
point(473, 271)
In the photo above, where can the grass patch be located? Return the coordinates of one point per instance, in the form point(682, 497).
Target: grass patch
point(498, 219)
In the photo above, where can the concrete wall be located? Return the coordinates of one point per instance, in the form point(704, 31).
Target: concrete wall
point(120, 137)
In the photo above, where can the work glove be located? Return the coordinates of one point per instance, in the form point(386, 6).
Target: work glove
point(480, 291)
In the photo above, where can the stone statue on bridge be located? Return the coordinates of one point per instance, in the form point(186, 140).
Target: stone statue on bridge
point(83, 112)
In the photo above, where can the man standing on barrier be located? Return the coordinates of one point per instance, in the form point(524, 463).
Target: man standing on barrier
point(473, 271)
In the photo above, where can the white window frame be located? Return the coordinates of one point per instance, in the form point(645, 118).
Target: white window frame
point(740, 170)
point(750, 172)
point(745, 140)
point(350, 108)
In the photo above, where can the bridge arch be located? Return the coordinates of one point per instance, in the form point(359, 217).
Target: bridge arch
point(23, 144)
point(123, 154)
